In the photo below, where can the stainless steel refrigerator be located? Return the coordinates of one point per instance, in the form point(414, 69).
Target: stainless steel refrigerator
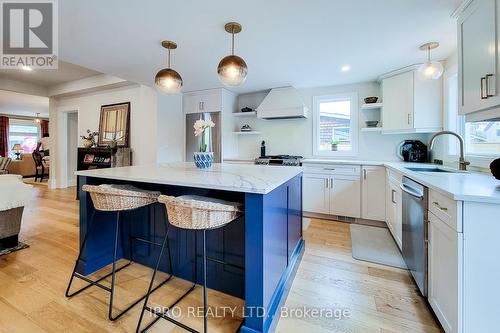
point(212, 135)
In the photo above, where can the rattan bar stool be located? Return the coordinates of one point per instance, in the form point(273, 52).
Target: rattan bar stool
point(192, 212)
point(116, 198)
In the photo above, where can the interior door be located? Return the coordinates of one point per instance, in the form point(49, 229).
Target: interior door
point(315, 197)
point(477, 54)
point(345, 196)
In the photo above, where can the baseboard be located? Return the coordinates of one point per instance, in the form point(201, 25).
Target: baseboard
point(346, 219)
point(52, 184)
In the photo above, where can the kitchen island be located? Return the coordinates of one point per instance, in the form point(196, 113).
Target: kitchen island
point(263, 247)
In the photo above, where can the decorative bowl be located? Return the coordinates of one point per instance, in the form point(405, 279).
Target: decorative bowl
point(203, 160)
point(370, 100)
point(371, 123)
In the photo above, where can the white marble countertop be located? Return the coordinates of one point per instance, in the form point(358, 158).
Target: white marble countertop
point(333, 161)
point(460, 186)
point(260, 179)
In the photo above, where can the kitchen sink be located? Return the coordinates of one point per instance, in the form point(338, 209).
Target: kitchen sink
point(432, 169)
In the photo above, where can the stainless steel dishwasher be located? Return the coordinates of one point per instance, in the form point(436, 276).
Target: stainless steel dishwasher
point(415, 233)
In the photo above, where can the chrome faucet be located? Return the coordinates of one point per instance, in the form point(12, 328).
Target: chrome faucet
point(462, 163)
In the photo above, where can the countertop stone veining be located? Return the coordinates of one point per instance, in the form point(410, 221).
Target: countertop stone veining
point(260, 179)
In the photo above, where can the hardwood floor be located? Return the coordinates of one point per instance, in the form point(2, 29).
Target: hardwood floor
point(372, 298)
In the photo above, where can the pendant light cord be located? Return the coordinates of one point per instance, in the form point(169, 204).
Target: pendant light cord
point(232, 44)
point(429, 53)
point(168, 61)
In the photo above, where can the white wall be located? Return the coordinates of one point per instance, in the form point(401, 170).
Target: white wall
point(295, 136)
point(170, 128)
point(143, 122)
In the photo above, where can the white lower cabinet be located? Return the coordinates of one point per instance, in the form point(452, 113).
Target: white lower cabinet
point(332, 190)
point(373, 185)
point(394, 209)
point(345, 194)
point(445, 273)
point(316, 194)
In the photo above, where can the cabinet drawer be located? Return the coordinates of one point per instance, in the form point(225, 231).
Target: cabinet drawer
point(333, 169)
point(446, 209)
point(394, 176)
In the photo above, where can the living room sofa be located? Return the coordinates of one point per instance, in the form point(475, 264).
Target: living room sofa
point(24, 167)
point(14, 196)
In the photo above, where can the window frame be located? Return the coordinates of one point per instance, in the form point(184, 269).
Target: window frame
point(21, 122)
point(458, 126)
point(353, 97)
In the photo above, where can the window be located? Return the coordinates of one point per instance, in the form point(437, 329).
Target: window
point(482, 139)
point(24, 132)
point(335, 122)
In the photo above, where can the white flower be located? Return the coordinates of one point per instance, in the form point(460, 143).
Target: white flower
point(199, 124)
point(198, 131)
point(210, 123)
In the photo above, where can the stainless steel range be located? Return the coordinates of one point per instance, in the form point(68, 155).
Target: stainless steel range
point(287, 160)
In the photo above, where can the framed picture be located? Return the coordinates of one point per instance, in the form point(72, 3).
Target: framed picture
point(114, 125)
point(89, 158)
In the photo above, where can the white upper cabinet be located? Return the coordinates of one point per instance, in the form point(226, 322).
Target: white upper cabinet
point(398, 102)
point(477, 56)
point(411, 105)
point(203, 101)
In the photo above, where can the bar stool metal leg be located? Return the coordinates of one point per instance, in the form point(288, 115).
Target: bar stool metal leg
point(113, 275)
point(115, 270)
point(152, 281)
point(82, 246)
point(205, 322)
point(164, 314)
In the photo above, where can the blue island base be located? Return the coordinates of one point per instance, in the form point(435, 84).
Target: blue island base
point(266, 241)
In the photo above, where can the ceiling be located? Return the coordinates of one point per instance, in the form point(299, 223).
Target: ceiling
point(48, 77)
point(301, 43)
point(12, 103)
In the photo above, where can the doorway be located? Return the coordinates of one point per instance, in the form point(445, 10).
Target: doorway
point(72, 147)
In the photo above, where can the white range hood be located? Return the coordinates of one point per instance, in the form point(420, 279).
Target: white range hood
point(282, 103)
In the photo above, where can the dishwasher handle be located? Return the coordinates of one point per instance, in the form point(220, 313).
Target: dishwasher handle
point(411, 191)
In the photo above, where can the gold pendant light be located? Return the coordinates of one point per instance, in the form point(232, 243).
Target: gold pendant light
point(430, 70)
point(232, 70)
point(168, 80)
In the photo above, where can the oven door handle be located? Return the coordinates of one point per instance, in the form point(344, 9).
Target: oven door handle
point(411, 191)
